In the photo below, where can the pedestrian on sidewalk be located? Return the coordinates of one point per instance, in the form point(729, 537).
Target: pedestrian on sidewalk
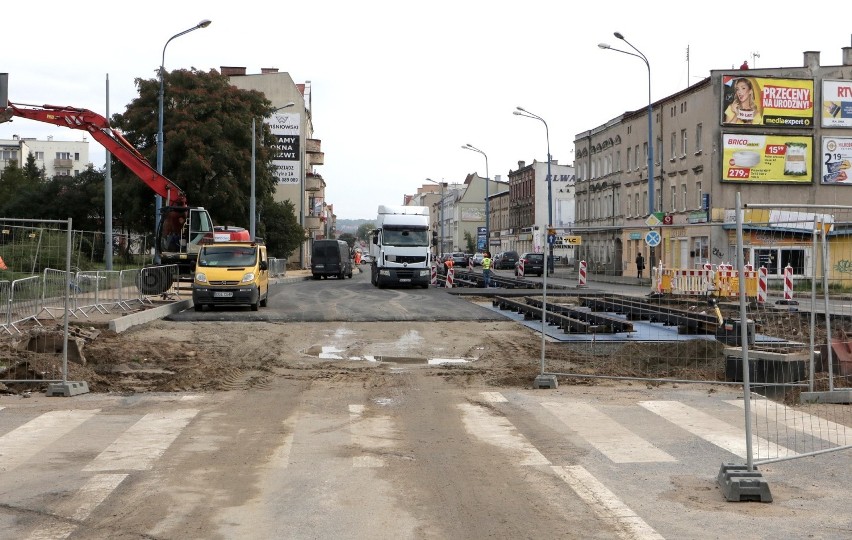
point(640, 265)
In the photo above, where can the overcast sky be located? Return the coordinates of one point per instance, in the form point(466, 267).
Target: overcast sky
point(399, 87)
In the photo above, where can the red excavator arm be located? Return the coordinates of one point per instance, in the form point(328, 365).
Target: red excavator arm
point(112, 140)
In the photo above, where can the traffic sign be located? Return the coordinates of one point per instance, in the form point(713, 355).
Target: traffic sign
point(652, 238)
point(551, 239)
point(652, 221)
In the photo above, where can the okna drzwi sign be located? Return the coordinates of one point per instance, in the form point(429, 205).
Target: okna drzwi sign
point(286, 128)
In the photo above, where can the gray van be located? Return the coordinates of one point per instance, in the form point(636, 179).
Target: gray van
point(331, 258)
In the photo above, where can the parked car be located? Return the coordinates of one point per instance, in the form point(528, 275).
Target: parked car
point(366, 258)
point(506, 260)
point(459, 261)
point(533, 264)
point(477, 259)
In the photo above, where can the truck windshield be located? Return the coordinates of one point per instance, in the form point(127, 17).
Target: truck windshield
point(227, 256)
point(405, 237)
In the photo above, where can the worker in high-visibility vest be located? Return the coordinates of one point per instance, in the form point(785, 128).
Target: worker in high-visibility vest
point(486, 269)
point(2, 264)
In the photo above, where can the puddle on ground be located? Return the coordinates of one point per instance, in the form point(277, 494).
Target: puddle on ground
point(327, 352)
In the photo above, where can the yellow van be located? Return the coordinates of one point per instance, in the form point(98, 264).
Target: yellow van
point(231, 273)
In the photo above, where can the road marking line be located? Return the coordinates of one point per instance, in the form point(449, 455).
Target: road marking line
point(605, 504)
point(23, 442)
point(144, 442)
point(281, 455)
point(801, 422)
point(92, 494)
point(493, 397)
point(498, 431)
point(710, 429)
point(610, 438)
point(372, 434)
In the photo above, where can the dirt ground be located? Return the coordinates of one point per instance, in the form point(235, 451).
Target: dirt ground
point(166, 356)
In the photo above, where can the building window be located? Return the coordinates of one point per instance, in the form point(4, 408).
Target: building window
point(636, 157)
point(659, 150)
point(698, 138)
point(76, 156)
point(674, 145)
point(618, 161)
point(683, 143)
point(39, 156)
point(638, 208)
point(674, 198)
point(645, 151)
point(700, 194)
point(629, 164)
point(683, 199)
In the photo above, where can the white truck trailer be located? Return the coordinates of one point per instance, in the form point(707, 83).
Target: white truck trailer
point(400, 246)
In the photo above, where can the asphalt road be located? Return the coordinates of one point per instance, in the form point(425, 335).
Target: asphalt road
point(355, 449)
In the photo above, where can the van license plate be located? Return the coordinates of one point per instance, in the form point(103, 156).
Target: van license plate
point(405, 280)
point(223, 294)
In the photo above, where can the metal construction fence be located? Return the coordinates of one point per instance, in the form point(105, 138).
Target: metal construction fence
point(759, 298)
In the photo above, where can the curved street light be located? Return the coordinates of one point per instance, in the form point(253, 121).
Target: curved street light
point(252, 198)
point(158, 200)
point(487, 181)
point(640, 55)
point(520, 111)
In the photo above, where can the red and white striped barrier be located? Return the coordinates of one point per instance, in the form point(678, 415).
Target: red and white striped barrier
point(691, 282)
point(450, 277)
point(433, 276)
point(788, 282)
point(762, 279)
point(470, 264)
point(521, 268)
point(581, 275)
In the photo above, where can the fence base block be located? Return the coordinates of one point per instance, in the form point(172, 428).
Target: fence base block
point(545, 381)
point(67, 389)
point(739, 484)
point(830, 396)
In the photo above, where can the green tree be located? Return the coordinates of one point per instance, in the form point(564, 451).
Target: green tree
point(280, 229)
point(349, 238)
point(363, 232)
point(469, 243)
point(207, 145)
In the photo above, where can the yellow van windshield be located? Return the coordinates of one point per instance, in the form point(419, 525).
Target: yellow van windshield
point(241, 256)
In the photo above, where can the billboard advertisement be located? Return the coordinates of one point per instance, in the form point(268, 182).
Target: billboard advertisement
point(286, 129)
point(837, 104)
point(767, 158)
point(837, 160)
point(759, 101)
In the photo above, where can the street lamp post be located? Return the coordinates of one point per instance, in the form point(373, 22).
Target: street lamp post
point(523, 112)
point(443, 185)
point(487, 181)
point(253, 198)
point(158, 202)
point(638, 54)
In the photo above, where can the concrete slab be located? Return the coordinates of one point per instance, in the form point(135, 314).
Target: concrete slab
point(829, 396)
point(126, 322)
point(67, 389)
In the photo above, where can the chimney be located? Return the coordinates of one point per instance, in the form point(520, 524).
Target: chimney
point(232, 71)
point(847, 55)
point(267, 71)
point(521, 164)
point(812, 60)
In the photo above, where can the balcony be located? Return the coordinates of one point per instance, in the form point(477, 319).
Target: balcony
point(313, 149)
point(313, 182)
point(63, 163)
point(312, 222)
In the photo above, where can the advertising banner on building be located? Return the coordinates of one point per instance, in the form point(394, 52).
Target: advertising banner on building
point(286, 128)
point(837, 104)
point(837, 160)
point(767, 158)
point(759, 101)
point(480, 239)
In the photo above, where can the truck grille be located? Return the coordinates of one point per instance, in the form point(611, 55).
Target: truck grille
point(219, 283)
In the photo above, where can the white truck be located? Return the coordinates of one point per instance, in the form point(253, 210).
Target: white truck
point(400, 247)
